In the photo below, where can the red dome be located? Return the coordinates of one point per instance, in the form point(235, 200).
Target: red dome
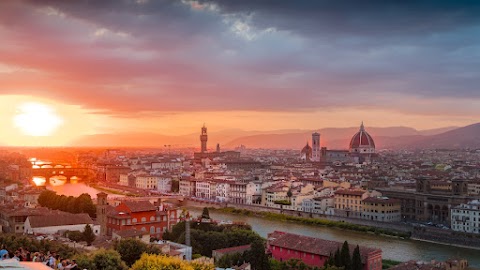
point(362, 139)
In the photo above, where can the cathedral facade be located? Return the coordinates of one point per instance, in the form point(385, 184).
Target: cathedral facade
point(361, 149)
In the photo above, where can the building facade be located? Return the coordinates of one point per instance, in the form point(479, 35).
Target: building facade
point(141, 215)
point(466, 217)
point(381, 209)
point(315, 251)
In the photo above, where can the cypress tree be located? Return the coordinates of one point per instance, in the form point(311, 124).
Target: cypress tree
point(357, 259)
point(337, 259)
point(345, 259)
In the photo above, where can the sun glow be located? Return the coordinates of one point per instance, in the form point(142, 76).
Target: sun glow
point(37, 119)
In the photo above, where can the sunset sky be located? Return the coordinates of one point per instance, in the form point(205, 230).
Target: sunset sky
point(90, 67)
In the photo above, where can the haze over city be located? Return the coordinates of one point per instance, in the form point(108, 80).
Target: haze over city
point(75, 68)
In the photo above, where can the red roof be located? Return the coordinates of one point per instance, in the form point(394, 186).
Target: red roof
point(352, 192)
point(313, 245)
point(362, 139)
point(233, 249)
point(140, 206)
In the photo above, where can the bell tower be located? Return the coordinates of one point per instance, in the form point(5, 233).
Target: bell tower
point(102, 212)
point(203, 139)
point(316, 146)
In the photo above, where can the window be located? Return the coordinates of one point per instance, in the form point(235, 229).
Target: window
point(152, 230)
point(134, 220)
point(152, 218)
point(144, 219)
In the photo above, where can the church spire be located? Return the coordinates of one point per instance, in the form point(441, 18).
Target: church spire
point(362, 128)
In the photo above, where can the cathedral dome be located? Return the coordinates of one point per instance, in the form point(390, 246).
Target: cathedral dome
point(306, 152)
point(307, 149)
point(362, 142)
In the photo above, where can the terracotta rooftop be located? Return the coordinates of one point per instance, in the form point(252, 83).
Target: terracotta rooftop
point(140, 206)
point(59, 220)
point(380, 200)
point(313, 245)
point(350, 192)
point(233, 249)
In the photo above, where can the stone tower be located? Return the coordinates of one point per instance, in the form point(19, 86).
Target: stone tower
point(316, 146)
point(102, 212)
point(203, 139)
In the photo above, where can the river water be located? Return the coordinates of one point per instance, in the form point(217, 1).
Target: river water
point(395, 249)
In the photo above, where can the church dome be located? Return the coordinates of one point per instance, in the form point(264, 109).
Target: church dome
point(362, 142)
point(307, 149)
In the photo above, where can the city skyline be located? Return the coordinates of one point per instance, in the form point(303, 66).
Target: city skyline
point(70, 69)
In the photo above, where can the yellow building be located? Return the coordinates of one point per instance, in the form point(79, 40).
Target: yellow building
point(381, 209)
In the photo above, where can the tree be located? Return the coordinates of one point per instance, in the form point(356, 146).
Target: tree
point(130, 250)
point(148, 262)
point(256, 256)
point(108, 260)
point(76, 236)
point(289, 195)
point(337, 259)
point(88, 235)
point(345, 256)
point(357, 259)
point(205, 213)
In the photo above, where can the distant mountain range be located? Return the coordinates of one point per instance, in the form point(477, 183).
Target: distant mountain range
point(333, 138)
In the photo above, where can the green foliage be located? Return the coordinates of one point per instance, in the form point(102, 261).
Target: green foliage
point(76, 236)
point(283, 202)
point(256, 256)
point(130, 250)
point(101, 260)
point(14, 242)
point(386, 264)
point(88, 235)
point(80, 204)
point(229, 260)
point(295, 264)
point(337, 259)
point(357, 259)
point(154, 262)
point(205, 213)
point(346, 261)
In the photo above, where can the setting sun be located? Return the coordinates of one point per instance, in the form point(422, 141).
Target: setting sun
point(37, 119)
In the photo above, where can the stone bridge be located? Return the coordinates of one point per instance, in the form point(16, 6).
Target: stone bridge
point(82, 173)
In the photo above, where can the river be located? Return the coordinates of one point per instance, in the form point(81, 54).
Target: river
point(74, 188)
point(394, 249)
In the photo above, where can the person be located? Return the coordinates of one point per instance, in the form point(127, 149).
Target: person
point(51, 260)
point(17, 255)
point(3, 253)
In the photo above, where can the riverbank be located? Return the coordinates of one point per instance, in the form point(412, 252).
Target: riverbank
point(313, 222)
point(445, 244)
point(111, 191)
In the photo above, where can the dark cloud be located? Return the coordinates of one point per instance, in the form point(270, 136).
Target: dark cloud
point(124, 56)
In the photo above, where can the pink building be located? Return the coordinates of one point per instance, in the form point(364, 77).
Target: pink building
point(315, 251)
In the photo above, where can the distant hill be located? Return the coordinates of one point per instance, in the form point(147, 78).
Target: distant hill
point(464, 137)
point(333, 138)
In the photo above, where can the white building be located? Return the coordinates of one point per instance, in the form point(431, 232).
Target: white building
point(319, 205)
point(222, 189)
point(164, 184)
point(254, 193)
point(51, 224)
point(205, 189)
point(187, 186)
point(146, 181)
point(123, 181)
point(466, 217)
point(169, 164)
point(238, 193)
